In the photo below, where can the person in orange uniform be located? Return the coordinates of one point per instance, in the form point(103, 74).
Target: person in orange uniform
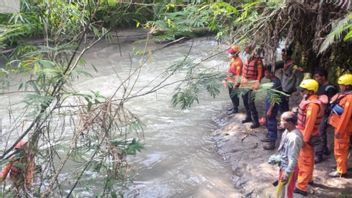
point(341, 120)
point(252, 71)
point(233, 77)
point(310, 114)
point(21, 171)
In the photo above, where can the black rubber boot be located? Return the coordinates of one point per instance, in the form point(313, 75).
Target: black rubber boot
point(318, 158)
point(247, 120)
point(232, 111)
point(255, 125)
point(269, 146)
point(298, 191)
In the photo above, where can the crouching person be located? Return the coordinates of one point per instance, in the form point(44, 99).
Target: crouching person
point(287, 157)
point(20, 168)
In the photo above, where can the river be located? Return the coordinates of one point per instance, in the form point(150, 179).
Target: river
point(179, 159)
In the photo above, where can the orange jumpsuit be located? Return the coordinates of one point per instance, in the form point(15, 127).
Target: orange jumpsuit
point(343, 130)
point(308, 129)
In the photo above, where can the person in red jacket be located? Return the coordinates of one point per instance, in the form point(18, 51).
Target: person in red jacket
point(233, 77)
point(341, 120)
point(310, 115)
point(20, 168)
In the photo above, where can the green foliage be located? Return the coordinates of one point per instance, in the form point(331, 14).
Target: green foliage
point(93, 99)
point(58, 20)
point(186, 97)
point(342, 28)
point(10, 33)
point(105, 129)
point(219, 17)
point(14, 27)
point(222, 18)
point(189, 19)
point(344, 195)
point(187, 94)
point(133, 147)
point(179, 23)
point(113, 14)
point(274, 95)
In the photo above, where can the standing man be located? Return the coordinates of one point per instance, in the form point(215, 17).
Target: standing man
point(310, 114)
point(290, 76)
point(233, 77)
point(252, 73)
point(271, 110)
point(341, 120)
point(325, 88)
point(290, 146)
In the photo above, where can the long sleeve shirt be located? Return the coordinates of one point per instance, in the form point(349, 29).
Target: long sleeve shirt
point(289, 76)
point(290, 146)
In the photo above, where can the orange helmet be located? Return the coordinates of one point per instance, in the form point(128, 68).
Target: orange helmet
point(234, 49)
point(20, 144)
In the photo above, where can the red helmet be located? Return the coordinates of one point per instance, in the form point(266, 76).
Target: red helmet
point(234, 49)
point(20, 144)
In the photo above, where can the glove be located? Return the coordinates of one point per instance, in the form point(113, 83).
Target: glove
point(274, 159)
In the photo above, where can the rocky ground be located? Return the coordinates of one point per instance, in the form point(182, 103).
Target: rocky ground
point(252, 175)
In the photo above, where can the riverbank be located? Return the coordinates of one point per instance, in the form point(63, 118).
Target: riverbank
point(252, 176)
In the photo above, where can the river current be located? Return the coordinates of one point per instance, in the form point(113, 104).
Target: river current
point(179, 159)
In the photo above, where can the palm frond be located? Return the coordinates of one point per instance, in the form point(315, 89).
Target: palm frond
point(337, 31)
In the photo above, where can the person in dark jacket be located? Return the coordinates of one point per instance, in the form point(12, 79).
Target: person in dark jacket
point(290, 75)
point(271, 109)
point(325, 88)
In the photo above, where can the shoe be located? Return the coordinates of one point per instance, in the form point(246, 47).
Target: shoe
point(337, 174)
point(255, 125)
point(275, 183)
point(298, 191)
point(318, 159)
point(232, 111)
point(326, 151)
point(266, 139)
point(269, 146)
point(246, 120)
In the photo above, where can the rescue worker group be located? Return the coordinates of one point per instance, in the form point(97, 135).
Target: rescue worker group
point(304, 141)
